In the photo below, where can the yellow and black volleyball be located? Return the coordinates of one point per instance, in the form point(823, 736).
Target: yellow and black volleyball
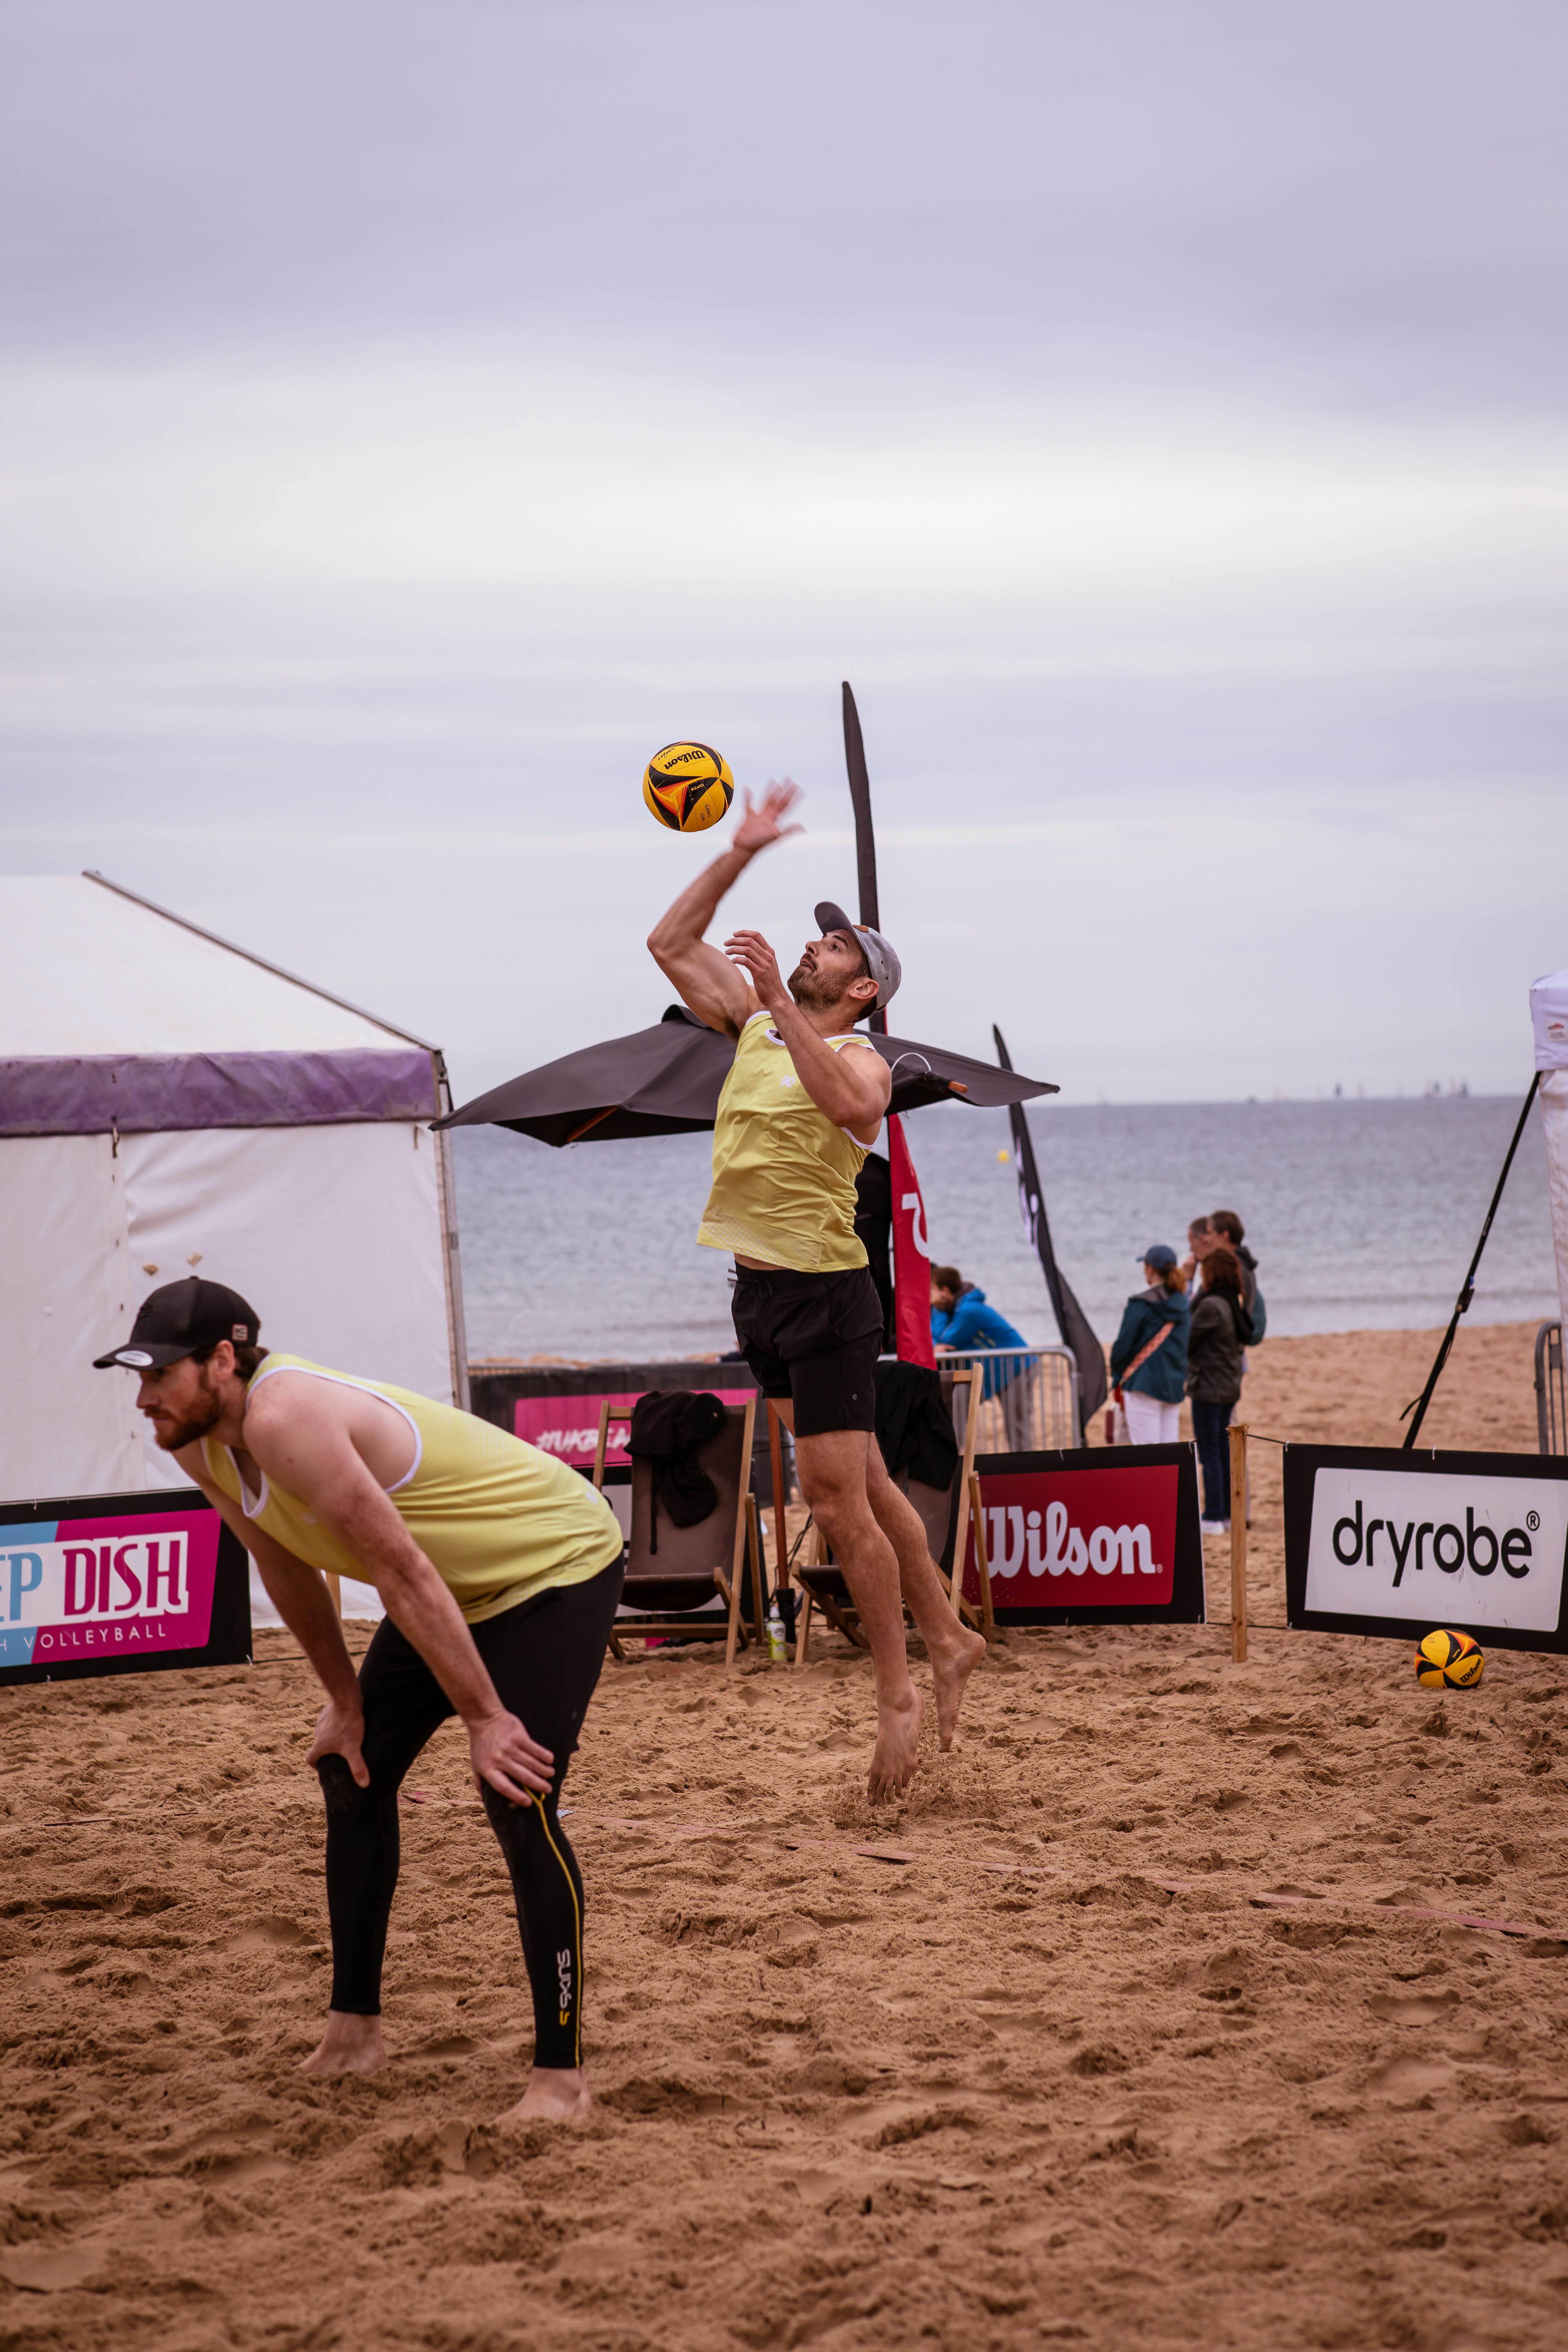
point(1445, 1661)
point(688, 786)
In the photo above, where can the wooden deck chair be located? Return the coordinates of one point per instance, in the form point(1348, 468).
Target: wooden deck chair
point(944, 1511)
point(667, 1588)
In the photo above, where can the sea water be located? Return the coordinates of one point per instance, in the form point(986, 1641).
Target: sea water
point(1363, 1215)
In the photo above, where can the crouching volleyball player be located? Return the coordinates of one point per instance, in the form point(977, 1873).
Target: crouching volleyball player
point(500, 1570)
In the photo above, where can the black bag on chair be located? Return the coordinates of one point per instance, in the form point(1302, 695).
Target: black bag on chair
point(666, 1428)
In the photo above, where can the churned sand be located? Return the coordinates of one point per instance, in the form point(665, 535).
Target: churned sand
point(1142, 2041)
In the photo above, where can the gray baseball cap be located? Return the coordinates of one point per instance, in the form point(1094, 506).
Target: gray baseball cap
point(880, 960)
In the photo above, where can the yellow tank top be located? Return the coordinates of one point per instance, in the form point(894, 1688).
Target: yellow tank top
point(497, 1520)
point(784, 1175)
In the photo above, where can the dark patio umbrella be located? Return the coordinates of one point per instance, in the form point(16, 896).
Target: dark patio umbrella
point(666, 1081)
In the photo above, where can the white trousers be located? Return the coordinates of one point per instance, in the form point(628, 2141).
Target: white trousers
point(1150, 1423)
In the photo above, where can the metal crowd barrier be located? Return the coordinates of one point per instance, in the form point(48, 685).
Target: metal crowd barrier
point(1030, 1400)
point(1551, 1404)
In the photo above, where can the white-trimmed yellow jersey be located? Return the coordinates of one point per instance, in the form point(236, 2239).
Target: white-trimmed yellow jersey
point(498, 1519)
point(784, 1175)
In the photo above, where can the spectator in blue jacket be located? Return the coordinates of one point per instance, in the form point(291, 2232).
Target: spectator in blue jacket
point(1149, 1354)
point(960, 1319)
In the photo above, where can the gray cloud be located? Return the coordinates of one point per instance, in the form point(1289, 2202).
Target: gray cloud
point(1364, 197)
point(410, 415)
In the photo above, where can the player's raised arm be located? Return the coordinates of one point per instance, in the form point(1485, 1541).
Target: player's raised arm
point(707, 982)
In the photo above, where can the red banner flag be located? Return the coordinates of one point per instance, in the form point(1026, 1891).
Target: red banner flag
point(911, 1259)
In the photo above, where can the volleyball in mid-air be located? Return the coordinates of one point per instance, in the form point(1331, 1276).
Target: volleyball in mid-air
point(687, 787)
point(1445, 1661)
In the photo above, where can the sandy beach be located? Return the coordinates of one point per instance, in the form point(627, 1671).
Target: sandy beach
point(1134, 2031)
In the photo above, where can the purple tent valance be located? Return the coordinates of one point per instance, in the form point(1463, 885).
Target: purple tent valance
point(146, 1093)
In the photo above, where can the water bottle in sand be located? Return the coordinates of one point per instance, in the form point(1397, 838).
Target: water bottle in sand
point(775, 1634)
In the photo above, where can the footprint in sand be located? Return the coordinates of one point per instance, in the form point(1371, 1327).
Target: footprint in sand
point(54, 2270)
point(1412, 2009)
point(272, 1934)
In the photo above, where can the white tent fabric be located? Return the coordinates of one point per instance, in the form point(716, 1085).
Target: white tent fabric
point(332, 1215)
point(1549, 1017)
point(91, 972)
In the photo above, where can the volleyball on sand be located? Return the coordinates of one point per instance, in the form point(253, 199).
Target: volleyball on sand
point(688, 786)
point(1445, 1661)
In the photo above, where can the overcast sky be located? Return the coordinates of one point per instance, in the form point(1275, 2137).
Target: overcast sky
point(412, 416)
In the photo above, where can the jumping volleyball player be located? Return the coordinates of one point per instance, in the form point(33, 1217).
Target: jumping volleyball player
point(802, 1106)
point(501, 1572)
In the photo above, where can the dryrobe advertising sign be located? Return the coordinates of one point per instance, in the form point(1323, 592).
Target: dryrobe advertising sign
point(1111, 1535)
point(568, 1426)
point(117, 1583)
point(1383, 1542)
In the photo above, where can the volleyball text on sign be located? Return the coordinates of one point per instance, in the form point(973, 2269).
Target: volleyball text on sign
point(109, 1583)
point(1078, 1538)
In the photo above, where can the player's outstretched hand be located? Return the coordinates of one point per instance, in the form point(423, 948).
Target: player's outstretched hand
point(512, 1762)
point(761, 826)
point(752, 954)
point(339, 1731)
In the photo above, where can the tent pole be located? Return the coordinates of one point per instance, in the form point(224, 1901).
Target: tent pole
point(1462, 1303)
point(451, 1262)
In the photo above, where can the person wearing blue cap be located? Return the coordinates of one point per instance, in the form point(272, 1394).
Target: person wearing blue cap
point(1149, 1354)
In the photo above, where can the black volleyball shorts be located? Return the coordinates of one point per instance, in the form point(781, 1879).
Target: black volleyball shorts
point(814, 1338)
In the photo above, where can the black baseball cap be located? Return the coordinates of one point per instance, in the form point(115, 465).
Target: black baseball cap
point(181, 1319)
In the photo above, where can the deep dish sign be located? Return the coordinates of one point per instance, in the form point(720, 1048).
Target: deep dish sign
point(109, 1583)
point(1384, 1542)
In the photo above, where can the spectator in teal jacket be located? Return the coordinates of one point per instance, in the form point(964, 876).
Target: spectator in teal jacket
point(1149, 1354)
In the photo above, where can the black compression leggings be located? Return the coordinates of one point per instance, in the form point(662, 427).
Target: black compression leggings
point(544, 1657)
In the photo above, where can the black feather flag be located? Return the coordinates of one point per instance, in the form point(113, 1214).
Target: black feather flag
point(864, 839)
point(1072, 1320)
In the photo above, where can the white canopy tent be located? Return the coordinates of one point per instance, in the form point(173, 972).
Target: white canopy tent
point(1549, 1016)
point(169, 1103)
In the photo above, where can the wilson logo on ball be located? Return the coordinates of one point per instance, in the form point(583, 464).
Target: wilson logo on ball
point(688, 786)
point(1445, 1661)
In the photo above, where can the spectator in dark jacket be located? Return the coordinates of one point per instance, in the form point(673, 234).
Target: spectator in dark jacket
point(1215, 1363)
point(1227, 1227)
point(1149, 1354)
point(1201, 1239)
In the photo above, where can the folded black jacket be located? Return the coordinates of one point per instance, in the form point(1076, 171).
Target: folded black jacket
point(668, 1426)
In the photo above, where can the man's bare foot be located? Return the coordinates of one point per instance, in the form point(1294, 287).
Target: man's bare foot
point(951, 1668)
point(896, 1754)
point(351, 2045)
point(555, 2094)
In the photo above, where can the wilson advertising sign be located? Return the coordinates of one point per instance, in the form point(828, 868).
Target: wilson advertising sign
point(108, 1584)
point(1111, 1535)
point(1378, 1541)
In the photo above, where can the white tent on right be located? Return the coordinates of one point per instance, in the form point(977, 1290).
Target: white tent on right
point(1549, 1015)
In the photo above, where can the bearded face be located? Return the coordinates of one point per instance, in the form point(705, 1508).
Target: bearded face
point(827, 970)
point(817, 991)
point(181, 1403)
